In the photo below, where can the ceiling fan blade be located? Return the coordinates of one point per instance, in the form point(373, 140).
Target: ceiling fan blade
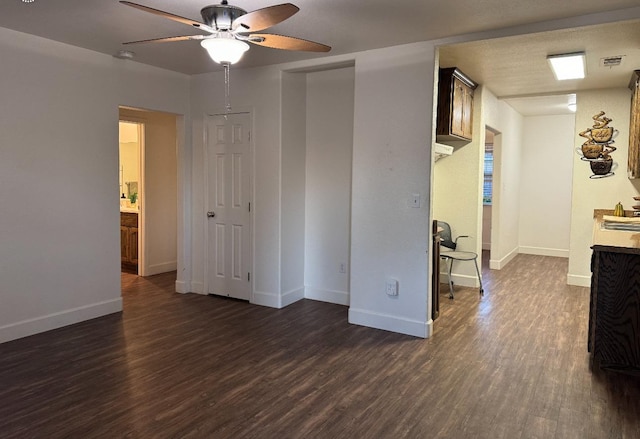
point(168, 15)
point(264, 18)
point(287, 43)
point(168, 39)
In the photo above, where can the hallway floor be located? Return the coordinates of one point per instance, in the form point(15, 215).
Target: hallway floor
point(513, 364)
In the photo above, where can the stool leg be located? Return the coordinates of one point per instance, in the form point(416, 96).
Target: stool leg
point(475, 261)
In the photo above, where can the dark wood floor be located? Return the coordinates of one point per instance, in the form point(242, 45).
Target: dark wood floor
point(511, 365)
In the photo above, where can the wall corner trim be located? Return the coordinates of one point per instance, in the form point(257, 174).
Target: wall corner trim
point(183, 287)
point(324, 295)
point(388, 322)
point(499, 264)
point(271, 300)
point(579, 280)
point(292, 296)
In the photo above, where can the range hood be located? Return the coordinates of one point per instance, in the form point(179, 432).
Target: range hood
point(441, 151)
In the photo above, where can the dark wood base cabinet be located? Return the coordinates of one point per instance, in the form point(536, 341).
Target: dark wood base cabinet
point(129, 242)
point(614, 317)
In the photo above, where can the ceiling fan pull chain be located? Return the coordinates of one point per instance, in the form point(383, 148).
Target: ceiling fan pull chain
point(227, 99)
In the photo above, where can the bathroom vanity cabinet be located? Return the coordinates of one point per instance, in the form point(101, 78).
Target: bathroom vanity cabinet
point(129, 240)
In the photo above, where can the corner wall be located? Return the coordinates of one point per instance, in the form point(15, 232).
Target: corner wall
point(598, 193)
point(507, 151)
point(328, 184)
point(60, 252)
point(292, 196)
point(391, 161)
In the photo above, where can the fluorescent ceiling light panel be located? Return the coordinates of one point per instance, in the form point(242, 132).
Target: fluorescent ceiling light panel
point(568, 65)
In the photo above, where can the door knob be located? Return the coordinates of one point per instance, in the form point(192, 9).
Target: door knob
point(211, 214)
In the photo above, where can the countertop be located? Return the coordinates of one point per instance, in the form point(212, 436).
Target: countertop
point(613, 240)
point(129, 210)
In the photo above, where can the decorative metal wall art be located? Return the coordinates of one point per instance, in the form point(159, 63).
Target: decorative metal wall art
point(598, 147)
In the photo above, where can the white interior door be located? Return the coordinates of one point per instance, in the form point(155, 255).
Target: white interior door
point(228, 205)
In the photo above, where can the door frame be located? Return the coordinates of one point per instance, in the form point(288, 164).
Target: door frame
point(141, 122)
point(208, 117)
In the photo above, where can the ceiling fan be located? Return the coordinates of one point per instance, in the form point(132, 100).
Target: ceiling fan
point(230, 28)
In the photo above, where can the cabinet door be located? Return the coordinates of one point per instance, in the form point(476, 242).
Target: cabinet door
point(457, 111)
point(124, 244)
point(615, 311)
point(634, 128)
point(133, 245)
point(467, 113)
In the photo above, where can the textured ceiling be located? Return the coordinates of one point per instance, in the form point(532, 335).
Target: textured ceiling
point(513, 68)
point(516, 68)
point(346, 25)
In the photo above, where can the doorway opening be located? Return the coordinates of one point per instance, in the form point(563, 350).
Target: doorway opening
point(148, 191)
point(487, 194)
point(131, 194)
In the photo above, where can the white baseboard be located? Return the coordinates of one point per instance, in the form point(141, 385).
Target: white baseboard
point(183, 287)
point(266, 299)
point(389, 323)
point(292, 296)
point(162, 268)
point(464, 280)
point(542, 251)
point(579, 280)
point(499, 264)
point(331, 296)
point(59, 319)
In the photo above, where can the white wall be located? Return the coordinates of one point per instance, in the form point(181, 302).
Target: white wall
point(545, 191)
point(507, 150)
point(328, 184)
point(294, 120)
point(391, 161)
point(392, 106)
point(600, 193)
point(59, 230)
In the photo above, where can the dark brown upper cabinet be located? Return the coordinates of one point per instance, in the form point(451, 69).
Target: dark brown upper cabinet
point(455, 106)
point(634, 127)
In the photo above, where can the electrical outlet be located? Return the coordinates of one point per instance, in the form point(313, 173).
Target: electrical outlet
point(343, 267)
point(392, 287)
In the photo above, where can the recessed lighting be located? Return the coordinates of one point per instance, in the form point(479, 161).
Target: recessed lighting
point(28, 1)
point(568, 65)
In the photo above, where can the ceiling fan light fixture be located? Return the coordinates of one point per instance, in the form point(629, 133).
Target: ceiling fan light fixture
point(225, 49)
point(568, 65)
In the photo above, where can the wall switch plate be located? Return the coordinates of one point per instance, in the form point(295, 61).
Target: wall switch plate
point(414, 201)
point(392, 287)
